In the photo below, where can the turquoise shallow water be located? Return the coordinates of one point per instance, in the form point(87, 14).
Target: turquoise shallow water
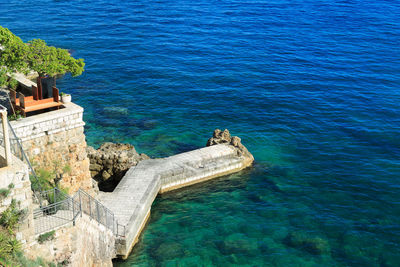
point(311, 87)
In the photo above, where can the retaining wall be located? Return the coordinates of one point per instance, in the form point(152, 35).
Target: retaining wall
point(56, 139)
point(17, 174)
point(88, 243)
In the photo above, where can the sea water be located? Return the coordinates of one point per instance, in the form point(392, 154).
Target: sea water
point(311, 87)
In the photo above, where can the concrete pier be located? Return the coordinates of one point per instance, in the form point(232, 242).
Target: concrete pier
point(132, 199)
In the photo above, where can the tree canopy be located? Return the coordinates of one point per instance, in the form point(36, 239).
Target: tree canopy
point(12, 54)
point(36, 55)
point(50, 60)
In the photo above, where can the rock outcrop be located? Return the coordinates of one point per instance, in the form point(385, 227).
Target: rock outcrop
point(224, 137)
point(111, 161)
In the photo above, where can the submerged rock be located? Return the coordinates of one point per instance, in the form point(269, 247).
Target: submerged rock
point(311, 244)
point(224, 137)
point(170, 251)
point(115, 111)
point(143, 123)
point(238, 243)
point(111, 161)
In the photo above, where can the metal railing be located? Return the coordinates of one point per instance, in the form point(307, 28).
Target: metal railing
point(95, 210)
point(49, 197)
point(55, 207)
point(60, 210)
point(18, 151)
point(120, 230)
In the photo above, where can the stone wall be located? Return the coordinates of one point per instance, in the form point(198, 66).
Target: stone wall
point(88, 243)
point(17, 174)
point(54, 140)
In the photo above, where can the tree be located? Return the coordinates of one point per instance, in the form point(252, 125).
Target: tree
point(48, 60)
point(12, 55)
point(36, 55)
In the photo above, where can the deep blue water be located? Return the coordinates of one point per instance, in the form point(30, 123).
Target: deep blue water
point(311, 87)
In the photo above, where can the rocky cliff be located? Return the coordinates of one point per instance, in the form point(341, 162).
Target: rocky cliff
point(110, 162)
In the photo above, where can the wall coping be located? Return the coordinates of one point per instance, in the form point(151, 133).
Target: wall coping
point(69, 109)
point(64, 119)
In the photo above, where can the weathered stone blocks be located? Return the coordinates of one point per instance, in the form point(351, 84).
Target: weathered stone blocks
point(56, 139)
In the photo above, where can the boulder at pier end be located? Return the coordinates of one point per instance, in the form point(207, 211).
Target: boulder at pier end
point(224, 137)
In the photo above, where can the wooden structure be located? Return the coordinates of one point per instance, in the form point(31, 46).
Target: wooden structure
point(35, 102)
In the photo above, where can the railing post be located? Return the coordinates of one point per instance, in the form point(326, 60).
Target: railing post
point(80, 201)
point(90, 208)
point(113, 223)
point(55, 194)
point(107, 225)
point(6, 134)
point(73, 211)
point(97, 209)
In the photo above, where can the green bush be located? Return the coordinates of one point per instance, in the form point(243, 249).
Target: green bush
point(8, 245)
point(11, 216)
point(16, 116)
point(44, 180)
point(4, 192)
point(46, 236)
point(47, 180)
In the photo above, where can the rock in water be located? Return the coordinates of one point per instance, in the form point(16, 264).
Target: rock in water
point(312, 244)
point(110, 162)
point(224, 137)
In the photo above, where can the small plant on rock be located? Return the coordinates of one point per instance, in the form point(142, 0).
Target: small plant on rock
point(16, 116)
point(5, 192)
point(46, 236)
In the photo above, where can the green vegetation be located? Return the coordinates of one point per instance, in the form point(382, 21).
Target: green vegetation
point(17, 258)
point(10, 248)
point(8, 245)
point(17, 115)
point(48, 60)
point(46, 236)
point(36, 55)
point(44, 182)
point(11, 216)
point(12, 55)
point(47, 180)
point(4, 192)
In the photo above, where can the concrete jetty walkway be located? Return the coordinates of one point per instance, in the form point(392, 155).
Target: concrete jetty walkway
point(132, 199)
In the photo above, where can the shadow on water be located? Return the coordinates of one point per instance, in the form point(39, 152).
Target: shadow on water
point(227, 183)
point(181, 147)
point(141, 123)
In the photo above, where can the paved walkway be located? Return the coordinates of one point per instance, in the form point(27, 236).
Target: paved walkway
point(132, 199)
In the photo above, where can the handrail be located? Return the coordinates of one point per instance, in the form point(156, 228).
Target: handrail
point(23, 155)
point(56, 215)
point(96, 210)
point(82, 202)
